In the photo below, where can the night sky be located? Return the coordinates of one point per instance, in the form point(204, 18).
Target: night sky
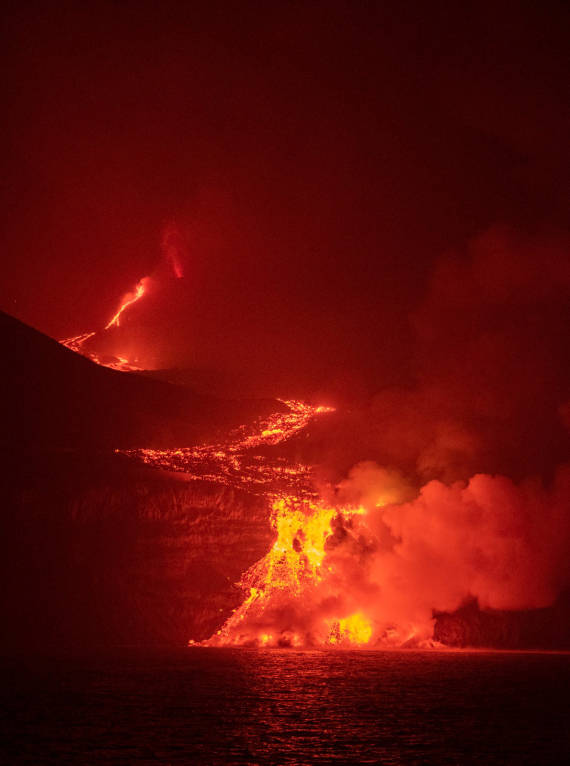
point(322, 164)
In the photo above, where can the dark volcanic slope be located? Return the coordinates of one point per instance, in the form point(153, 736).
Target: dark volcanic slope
point(95, 549)
point(52, 397)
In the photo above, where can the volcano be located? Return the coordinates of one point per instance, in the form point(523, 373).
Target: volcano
point(140, 512)
point(54, 398)
point(97, 550)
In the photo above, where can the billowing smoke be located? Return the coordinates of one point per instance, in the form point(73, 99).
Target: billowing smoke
point(489, 539)
point(490, 371)
point(375, 574)
point(454, 488)
point(492, 382)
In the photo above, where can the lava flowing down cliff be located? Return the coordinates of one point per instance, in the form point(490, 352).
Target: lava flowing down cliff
point(372, 553)
point(172, 250)
point(78, 343)
point(348, 576)
point(370, 561)
point(237, 462)
point(282, 585)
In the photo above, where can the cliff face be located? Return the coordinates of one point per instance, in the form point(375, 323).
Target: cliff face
point(51, 397)
point(104, 555)
point(470, 626)
point(96, 551)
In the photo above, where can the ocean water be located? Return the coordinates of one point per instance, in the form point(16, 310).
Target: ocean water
point(245, 706)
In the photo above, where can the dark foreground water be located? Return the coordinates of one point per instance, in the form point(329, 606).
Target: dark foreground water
point(230, 706)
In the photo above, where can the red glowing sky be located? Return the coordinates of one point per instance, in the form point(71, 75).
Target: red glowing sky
point(359, 204)
point(317, 159)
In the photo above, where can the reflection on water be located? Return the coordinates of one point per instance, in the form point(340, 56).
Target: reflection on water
point(236, 706)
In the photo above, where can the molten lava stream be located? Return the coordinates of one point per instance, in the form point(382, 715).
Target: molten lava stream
point(121, 363)
point(235, 461)
point(127, 301)
point(286, 590)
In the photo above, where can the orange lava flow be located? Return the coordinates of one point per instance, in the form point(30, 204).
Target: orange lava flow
point(292, 577)
point(236, 462)
point(311, 589)
point(76, 342)
point(306, 530)
point(289, 575)
point(116, 362)
point(127, 301)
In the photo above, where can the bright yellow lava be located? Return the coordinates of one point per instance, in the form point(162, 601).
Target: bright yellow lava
point(356, 629)
point(302, 531)
point(290, 569)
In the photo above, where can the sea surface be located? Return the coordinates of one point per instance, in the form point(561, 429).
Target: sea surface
point(245, 706)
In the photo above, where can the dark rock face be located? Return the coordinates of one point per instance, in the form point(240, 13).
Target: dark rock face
point(93, 549)
point(112, 556)
point(470, 626)
point(51, 397)
point(96, 552)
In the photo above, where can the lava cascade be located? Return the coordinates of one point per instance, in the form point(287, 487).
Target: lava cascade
point(371, 565)
point(306, 529)
point(127, 301)
point(374, 575)
point(289, 576)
